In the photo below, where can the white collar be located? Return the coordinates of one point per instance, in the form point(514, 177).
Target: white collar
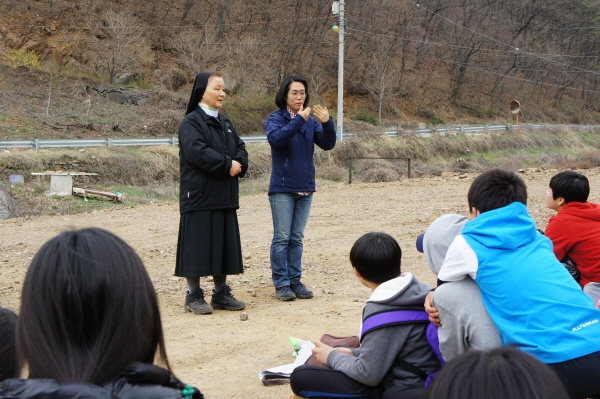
point(209, 111)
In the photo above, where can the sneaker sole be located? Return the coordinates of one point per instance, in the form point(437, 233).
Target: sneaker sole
point(285, 298)
point(225, 307)
point(304, 296)
point(196, 311)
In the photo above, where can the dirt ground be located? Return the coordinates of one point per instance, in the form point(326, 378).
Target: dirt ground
point(219, 353)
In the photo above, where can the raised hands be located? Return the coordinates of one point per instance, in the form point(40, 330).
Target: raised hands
point(304, 112)
point(321, 113)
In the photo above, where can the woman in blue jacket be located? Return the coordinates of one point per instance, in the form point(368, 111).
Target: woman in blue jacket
point(292, 134)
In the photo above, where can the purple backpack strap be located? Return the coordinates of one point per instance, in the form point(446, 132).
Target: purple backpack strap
point(392, 317)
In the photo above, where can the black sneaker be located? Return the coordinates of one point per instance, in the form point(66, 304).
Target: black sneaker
point(284, 293)
point(301, 291)
point(196, 304)
point(224, 300)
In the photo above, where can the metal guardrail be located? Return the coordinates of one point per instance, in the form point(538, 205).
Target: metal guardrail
point(55, 143)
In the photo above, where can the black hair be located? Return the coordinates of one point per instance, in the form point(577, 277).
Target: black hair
point(495, 189)
point(571, 185)
point(377, 257)
point(281, 96)
point(501, 373)
point(9, 366)
point(88, 309)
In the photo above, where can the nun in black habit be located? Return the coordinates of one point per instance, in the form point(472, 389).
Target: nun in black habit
point(212, 157)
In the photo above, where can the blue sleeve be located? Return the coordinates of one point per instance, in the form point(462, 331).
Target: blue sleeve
point(278, 133)
point(325, 135)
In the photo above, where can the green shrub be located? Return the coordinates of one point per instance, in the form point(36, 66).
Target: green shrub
point(140, 82)
point(249, 114)
point(366, 117)
point(432, 117)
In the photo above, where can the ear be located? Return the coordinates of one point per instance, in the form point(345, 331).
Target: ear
point(356, 273)
point(561, 201)
point(474, 213)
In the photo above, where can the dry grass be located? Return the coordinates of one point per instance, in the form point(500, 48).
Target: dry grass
point(150, 174)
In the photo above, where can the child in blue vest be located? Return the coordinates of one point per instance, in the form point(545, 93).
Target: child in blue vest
point(529, 295)
point(393, 360)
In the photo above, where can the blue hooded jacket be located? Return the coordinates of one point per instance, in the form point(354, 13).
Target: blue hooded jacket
point(530, 296)
point(292, 147)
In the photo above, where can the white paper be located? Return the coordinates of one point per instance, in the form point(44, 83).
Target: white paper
point(286, 370)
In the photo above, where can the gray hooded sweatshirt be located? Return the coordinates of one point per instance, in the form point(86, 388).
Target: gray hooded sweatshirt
point(465, 322)
point(380, 348)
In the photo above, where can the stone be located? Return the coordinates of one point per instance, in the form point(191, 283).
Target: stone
point(8, 205)
point(243, 316)
point(125, 79)
point(118, 97)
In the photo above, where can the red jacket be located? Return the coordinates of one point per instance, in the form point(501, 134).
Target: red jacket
point(575, 231)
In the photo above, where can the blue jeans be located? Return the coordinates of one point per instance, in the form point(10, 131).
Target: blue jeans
point(290, 214)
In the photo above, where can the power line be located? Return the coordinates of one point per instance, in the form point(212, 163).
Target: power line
point(498, 41)
point(164, 43)
point(428, 42)
point(163, 26)
point(490, 73)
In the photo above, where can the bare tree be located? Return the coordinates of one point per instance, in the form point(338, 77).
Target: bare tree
point(198, 49)
point(120, 41)
point(382, 81)
point(320, 85)
point(247, 63)
point(187, 6)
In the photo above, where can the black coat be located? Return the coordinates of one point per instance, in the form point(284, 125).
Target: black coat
point(139, 380)
point(207, 147)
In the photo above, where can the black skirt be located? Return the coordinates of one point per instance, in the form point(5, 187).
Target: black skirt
point(209, 244)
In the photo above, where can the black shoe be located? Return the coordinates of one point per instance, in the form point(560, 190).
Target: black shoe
point(284, 293)
point(301, 291)
point(196, 304)
point(224, 300)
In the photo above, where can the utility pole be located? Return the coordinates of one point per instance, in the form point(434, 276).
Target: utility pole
point(338, 9)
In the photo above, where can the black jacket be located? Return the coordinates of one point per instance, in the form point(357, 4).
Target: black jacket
point(207, 147)
point(138, 381)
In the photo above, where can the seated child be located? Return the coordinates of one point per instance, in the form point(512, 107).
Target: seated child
point(533, 300)
point(575, 230)
point(389, 359)
point(89, 325)
point(9, 366)
point(466, 324)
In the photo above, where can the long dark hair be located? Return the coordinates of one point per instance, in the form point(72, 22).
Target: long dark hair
point(284, 88)
point(9, 366)
point(88, 309)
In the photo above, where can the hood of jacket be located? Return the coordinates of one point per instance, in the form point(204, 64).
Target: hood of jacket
point(138, 380)
point(584, 210)
point(509, 227)
point(439, 236)
point(404, 290)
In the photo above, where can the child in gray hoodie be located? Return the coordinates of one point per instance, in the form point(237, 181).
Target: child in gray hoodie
point(384, 365)
point(465, 323)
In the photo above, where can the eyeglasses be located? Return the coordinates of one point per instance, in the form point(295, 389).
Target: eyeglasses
point(295, 94)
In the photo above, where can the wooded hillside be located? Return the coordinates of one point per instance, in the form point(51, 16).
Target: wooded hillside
point(433, 60)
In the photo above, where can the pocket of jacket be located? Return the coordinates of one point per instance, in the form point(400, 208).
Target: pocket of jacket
point(193, 194)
